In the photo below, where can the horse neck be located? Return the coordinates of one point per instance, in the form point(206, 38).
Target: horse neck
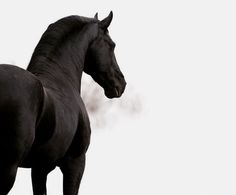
point(64, 66)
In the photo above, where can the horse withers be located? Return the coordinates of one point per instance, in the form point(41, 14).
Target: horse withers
point(43, 120)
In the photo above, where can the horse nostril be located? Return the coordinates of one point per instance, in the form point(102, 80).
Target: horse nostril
point(117, 91)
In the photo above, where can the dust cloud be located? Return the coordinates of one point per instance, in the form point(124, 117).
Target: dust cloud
point(103, 111)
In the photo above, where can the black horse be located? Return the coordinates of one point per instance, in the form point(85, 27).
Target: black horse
point(43, 120)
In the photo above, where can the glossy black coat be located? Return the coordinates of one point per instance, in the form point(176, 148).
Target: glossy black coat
point(43, 120)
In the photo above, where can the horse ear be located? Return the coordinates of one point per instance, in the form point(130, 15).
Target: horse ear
point(96, 16)
point(106, 21)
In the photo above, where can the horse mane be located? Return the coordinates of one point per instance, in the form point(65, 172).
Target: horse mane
point(54, 36)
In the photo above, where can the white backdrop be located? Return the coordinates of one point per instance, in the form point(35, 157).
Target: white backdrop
point(179, 56)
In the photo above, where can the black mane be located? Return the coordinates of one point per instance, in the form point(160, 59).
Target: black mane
point(56, 34)
point(60, 52)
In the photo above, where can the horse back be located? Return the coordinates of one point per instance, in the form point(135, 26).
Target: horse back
point(20, 88)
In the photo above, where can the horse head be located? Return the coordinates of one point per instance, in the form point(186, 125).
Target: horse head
point(101, 64)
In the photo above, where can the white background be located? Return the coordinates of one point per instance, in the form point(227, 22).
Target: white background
point(179, 57)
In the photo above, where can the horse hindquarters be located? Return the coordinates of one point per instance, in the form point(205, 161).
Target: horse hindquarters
point(16, 138)
point(20, 100)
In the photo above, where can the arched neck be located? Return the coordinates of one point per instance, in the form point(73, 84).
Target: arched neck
point(62, 67)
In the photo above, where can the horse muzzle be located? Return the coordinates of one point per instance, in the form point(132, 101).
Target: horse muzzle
point(116, 91)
